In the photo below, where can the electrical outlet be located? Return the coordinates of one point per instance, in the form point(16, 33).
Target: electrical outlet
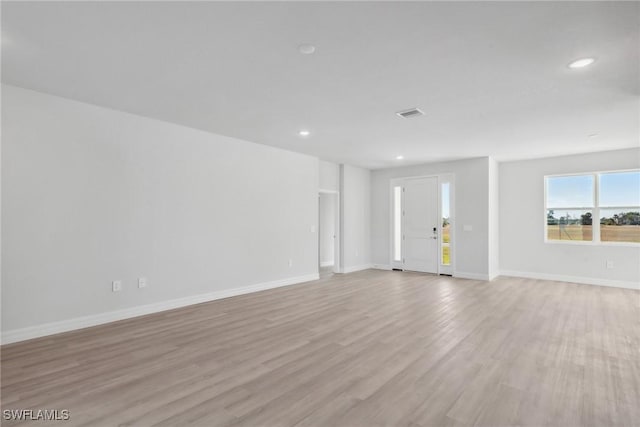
point(142, 282)
point(290, 262)
point(116, 285)
point(609, 264)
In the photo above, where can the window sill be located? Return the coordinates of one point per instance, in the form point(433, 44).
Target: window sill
point(587, 243)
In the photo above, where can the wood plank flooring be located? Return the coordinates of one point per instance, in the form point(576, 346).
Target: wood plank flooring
point(373, 348)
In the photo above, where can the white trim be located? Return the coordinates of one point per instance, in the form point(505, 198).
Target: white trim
point(127, 313)
point(572, 279)
point(326, 264)
point(472, 276)
point(592, 243)
point(595, 172)
point(355, 268)
point(381, 267)
point(323, 191)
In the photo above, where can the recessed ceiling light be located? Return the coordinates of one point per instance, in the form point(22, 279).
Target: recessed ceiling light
point(399, 157)
point(583, 62)
point(306, 49)
point(304, 132)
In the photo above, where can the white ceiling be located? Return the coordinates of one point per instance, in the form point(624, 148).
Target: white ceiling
point(492, 78)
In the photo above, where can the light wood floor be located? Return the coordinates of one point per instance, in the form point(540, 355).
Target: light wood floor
point(373, 348)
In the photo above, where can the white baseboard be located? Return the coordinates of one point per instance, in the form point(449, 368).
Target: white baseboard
point(127, 313)
point(572, 279)
point(355, 268)
point(381, 267)
point(472, 276)
point(326, 264)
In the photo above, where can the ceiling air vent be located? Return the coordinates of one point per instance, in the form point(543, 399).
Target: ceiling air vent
point(407, 114)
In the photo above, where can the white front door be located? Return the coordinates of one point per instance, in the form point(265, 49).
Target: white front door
point(420, 224)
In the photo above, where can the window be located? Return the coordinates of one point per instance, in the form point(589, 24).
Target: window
point(446, 235)
point(574, 201)
point(620, 207)
point(570, 205)
point(397, 223)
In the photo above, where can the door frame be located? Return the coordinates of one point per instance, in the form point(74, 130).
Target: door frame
point(337, 266)
point(441, 178)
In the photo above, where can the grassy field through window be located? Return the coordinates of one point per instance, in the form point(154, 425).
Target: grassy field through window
point(446, 258)
point(608, 233)
point(575, 232)
point(620, 233)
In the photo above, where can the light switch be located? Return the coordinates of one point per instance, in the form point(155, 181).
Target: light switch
point(467, 228)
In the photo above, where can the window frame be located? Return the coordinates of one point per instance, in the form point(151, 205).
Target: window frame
point(595, 236)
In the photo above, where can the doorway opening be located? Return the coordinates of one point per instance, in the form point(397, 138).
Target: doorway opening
point(328, 246)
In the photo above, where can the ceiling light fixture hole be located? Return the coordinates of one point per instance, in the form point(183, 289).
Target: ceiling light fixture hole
point(306, 49)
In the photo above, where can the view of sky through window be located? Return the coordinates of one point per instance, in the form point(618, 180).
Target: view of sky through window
point(620, 189)
point(570, 191)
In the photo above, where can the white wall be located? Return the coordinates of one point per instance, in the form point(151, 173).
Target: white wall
point(355, 228)
point(522, 248)
point(327, 230)
point(91, 195)
point(494, 219)
point(329, 176)
point(471, 204)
